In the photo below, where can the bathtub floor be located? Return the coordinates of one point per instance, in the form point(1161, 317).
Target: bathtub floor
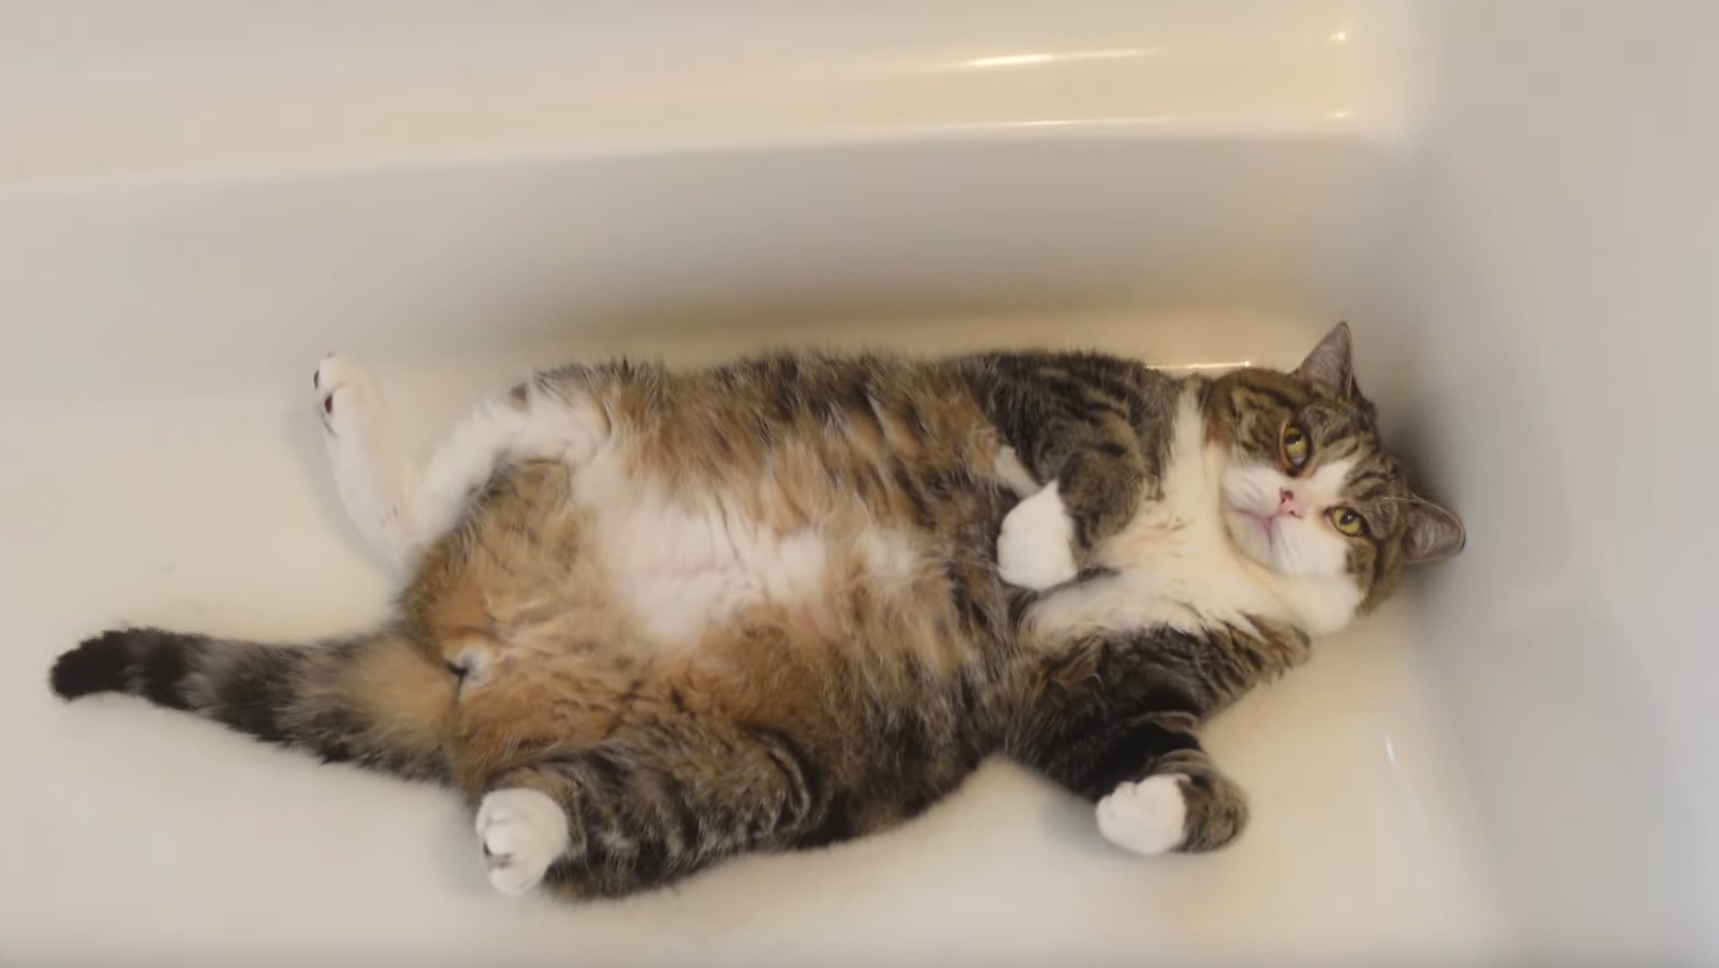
point(141, 836)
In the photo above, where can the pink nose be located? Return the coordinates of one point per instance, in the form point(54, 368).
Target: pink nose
point(1286, 503)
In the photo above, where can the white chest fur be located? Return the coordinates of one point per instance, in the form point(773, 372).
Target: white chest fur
point(1175, 565)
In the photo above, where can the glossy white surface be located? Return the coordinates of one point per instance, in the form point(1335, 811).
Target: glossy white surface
point(216, 281)
point(193, 846)
point(91, 88)
point(1552, 279)
point(198, 199)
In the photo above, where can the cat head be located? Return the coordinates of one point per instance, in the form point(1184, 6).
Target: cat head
point(1309, 490)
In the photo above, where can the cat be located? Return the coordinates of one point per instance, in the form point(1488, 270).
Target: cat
point(656, 619)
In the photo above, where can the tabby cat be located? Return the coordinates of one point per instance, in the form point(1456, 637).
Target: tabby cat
point(656, 619)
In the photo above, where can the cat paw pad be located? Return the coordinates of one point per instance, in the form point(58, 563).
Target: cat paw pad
point(522, 833)
point(1035, 548)
point(1146, 818)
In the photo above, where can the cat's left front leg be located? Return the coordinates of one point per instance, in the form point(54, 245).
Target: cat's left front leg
point(1155, 789)
point(1182, 802)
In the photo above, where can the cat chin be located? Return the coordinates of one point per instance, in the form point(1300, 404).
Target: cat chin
point(1249, 537)
point(1323, 598)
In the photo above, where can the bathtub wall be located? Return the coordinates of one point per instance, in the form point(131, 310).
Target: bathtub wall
point(452, 175)
point(1510, 199)
point(1553, 284)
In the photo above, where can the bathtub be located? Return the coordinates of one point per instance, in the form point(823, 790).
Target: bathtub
point(1510, 763)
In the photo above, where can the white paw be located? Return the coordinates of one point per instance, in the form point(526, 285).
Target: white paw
point(339, 381)
point(1146, 818)
point(358, 431)
point(1036, 546)
point(522, 832)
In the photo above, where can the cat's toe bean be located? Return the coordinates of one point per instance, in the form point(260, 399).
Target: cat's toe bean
point(522, 832)
point(1145, 818)
point(1035, 548)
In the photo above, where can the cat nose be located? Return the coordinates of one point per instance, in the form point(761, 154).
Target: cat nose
point(1286, 503)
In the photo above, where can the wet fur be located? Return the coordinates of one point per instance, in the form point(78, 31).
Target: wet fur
point(681, 707)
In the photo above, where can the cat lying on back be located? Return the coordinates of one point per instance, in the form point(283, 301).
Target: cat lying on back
point(657, 619)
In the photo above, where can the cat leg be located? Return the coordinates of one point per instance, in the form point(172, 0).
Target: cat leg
point(1076, 424)
point(1181, 802)
point(547, 418)
point(364, 452)
point(1155, 788)
point(1046, 538)
point(402, 509)
point(522, 832)
point(626, 816)
point(1094, 474)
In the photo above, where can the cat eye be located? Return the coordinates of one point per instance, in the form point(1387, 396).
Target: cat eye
point(1347, 521)
point(1296, 447)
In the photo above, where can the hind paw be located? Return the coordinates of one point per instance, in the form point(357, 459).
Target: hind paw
point(346, 399)
point(522, 832)
point(1146, 818)
point(358, 432)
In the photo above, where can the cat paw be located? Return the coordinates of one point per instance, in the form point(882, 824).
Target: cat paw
point(522, 832)
point(1145, 818)
point(358, 433)
point(1036, 546)
point(346, 399)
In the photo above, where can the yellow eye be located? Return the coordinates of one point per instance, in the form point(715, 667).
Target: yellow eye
point(1348, 522)
point(1296, 447)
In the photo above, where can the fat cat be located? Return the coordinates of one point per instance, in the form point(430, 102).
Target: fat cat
point(653, 619)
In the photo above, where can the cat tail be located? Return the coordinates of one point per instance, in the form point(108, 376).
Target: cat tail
point(374, 700)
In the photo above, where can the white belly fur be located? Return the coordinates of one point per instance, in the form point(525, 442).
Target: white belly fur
point(684, 566)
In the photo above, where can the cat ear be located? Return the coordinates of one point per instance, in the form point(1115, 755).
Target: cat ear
point(1330, 364)
point(1433, 533)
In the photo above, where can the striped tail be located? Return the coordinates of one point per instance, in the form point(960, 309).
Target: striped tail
point(374, 700)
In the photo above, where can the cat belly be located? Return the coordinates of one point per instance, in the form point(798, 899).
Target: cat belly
point(684, 565)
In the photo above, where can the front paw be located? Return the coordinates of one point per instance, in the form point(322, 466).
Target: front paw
point(1036, 546)
point(1146, 818)
point(522, 832)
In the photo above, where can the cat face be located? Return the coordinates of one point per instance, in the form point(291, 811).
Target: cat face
point(1309, 490)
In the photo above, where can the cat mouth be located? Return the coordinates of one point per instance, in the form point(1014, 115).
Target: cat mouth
point(1264, 524)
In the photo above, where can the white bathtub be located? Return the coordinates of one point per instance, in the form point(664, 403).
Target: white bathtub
point(1512, 763)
